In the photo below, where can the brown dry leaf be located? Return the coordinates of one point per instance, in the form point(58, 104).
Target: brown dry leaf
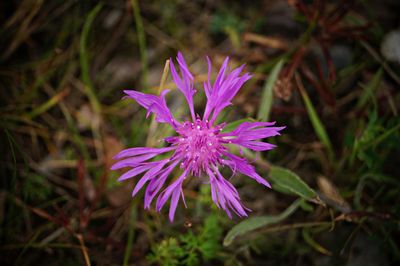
point(120, 195)
point(85, 183)
point(331, 195)
point(86, 118)
point(89, 189)
point(283, 89)
point(267, 41)
point(111, 147)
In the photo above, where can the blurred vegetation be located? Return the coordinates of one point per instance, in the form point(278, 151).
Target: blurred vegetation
point(328, 70)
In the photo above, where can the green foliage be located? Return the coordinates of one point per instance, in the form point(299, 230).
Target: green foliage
point(131, 231)
point(370, 89)
point(267, 96)
point(35, 188)
point(317, 124)
point(287, 181)
point(375, 140)
point(168, 253)
point(210, 244)
point(223, 21)
point(190, 248)
point(228, 23)
point(254, 223)
point(84, 59)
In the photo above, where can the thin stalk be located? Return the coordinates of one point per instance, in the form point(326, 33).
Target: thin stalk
point(142, 40)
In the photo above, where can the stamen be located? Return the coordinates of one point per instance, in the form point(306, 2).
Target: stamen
point(200, 145)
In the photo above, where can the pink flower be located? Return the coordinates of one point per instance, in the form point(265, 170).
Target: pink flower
point(199, 147)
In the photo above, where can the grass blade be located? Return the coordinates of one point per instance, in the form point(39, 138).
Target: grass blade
point(370, 89)
point(48, 104)
point(314, 244)
point(142, 40)
point(257, 222)
point(315, 120)
point(267, 95)
point(84, 59)
point(131, 234)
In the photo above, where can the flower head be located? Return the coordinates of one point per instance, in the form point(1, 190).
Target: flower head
point(200, 146)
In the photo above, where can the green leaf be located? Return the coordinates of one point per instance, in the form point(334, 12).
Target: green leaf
point(48, 104)
point(370, 89)
point(382, 137)
point(314, 244)
point(168, 252)
point(306, 206)
point(131, 235)
point(316, 123)
point(267, 95)
point(209, 239)
point(258, 222)
point(84, 59)
point(290, 181)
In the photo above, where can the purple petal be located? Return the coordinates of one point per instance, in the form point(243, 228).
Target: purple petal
point(229, 89)
point(247, 132)
point(149, 175)
point(141, 150)
point(225, 87)
point(184, 84)
point(237, 163)
point(207, 85)
point(154, 104)
point(219, 79)
point(214, 193)
point(174, 203)
point(255, 130)
point(136, 171)
point(225, 195)
point(133, 161)
point(156, 184)
point(232, 196)
point(211, 91)
point(255, 145)
point(175, 190)
point(184, 68)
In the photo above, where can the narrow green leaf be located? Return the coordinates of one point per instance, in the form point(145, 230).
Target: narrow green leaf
point(48, 104)
point(142, 40)
point(84, 59)
point(382, 137)
point(314, 244)
point(258, 222)
point(131, 234)
point(316, 123)
point(289, 181)
point(267, 95)
point(234, 36)
point(370, 89)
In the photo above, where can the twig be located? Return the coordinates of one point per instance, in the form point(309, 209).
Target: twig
point(294, 226)
point(376, 56)
point(84, 249)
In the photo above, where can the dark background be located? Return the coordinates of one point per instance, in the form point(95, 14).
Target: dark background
point(64, 64)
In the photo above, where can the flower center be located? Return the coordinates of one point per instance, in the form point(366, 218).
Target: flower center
point(200, 146)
